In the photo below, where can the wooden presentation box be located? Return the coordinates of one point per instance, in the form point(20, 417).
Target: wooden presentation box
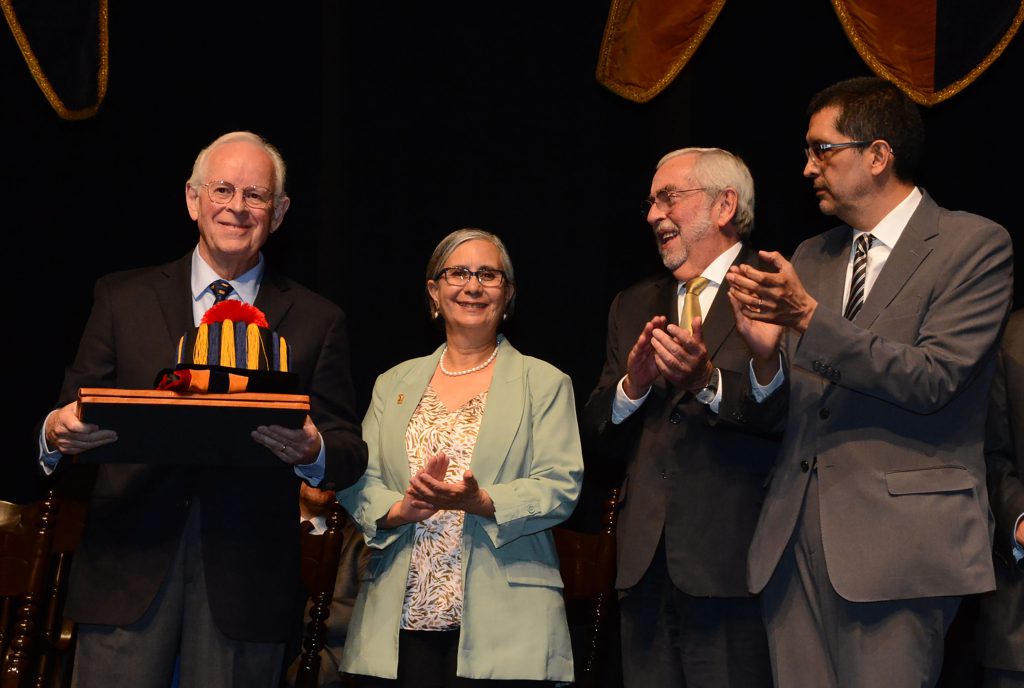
point(161, 427)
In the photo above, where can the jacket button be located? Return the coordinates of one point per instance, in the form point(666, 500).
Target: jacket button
point(664, 474)
point(675, 418)
point(816, 366)
point(824, 413)
point(804, 466)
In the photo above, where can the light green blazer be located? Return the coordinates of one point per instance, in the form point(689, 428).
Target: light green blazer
point(529, 460)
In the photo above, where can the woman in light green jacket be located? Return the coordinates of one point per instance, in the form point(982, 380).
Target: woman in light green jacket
point(474, 456)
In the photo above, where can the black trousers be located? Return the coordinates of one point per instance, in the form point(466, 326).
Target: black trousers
point(673, 639)
point(427, 659)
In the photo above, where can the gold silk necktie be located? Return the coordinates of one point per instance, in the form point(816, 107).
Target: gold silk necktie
point(691, 302)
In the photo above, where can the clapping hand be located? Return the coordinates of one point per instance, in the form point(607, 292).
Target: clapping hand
point(428, 488)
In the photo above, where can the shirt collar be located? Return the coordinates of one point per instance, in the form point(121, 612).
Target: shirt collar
point(246, 285)
point(715, 273)
point(888, 231)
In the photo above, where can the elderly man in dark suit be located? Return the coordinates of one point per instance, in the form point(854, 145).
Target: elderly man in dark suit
point(874, 351)
point(201, 560)
point(692, 491)
point(1001, 620)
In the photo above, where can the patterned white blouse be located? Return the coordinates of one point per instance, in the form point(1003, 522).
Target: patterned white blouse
point(433, 591)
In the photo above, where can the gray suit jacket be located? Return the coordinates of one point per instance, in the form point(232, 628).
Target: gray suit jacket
point(892, 408)
point(1001, 622)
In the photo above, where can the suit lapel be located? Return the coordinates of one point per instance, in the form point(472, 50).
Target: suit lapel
point(274, 299)
point(503, 414)
point(667, 299)
point(404, 398)
point(174, 296)
point(830, 279)
point(720, 319)
point(666, 302)
point(907, 255)
point(824, 276)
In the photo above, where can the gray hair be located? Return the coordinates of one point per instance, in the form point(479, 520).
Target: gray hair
point(717, 170)
point(199, 167)
point(451, 242)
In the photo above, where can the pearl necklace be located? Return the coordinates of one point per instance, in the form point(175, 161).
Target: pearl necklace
point(467, 371)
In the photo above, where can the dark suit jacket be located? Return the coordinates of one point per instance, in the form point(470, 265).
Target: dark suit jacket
point(892, 408)
point(249, 518)
point(1001, 622)
point(701, 485)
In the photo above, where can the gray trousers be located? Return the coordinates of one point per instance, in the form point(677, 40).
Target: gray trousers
point(818, 639)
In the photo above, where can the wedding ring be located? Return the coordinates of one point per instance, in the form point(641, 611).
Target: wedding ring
point(284, 447)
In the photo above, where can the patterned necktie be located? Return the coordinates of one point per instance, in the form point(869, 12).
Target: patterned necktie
point(691, 301)
point(221, 290)
point(860, 273)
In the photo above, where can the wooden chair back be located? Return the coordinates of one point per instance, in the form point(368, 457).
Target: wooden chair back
point(321, 555)
point(587, 563)
point(36, 544)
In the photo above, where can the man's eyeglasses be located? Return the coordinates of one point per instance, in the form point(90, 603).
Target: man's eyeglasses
point(819, 152)
point(256, 197)
point(458, 276)
point(665, 199)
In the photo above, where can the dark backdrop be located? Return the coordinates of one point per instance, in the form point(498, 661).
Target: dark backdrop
point(401, 124)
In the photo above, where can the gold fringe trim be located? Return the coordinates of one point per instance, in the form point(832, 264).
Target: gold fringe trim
point(201, 348)
point(283, 349)
point(918, 96)
point(37, 71)
point(253, 344)
point(618, 11)
point(227, 344)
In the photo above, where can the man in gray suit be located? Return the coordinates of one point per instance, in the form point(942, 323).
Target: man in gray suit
point(1001, 620)
point(875, 356)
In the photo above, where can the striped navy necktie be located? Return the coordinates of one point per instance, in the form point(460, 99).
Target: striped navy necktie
point(860, 274)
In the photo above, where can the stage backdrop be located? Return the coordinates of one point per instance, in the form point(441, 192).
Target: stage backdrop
point(402, 123)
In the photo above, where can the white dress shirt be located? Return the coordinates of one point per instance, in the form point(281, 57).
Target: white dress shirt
point(622, 406)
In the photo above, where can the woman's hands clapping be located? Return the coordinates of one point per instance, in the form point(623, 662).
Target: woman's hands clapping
point(427, 487)
point(428, 492)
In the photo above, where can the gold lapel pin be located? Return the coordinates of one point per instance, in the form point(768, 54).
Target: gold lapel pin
point(401, 399)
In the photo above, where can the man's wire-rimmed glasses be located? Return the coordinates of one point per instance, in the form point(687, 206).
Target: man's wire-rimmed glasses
point(665, 199)
point(256, 197)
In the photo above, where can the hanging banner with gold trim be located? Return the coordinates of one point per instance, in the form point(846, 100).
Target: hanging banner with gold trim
point(65, 46)
point(647, 42)
point(931, 49)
